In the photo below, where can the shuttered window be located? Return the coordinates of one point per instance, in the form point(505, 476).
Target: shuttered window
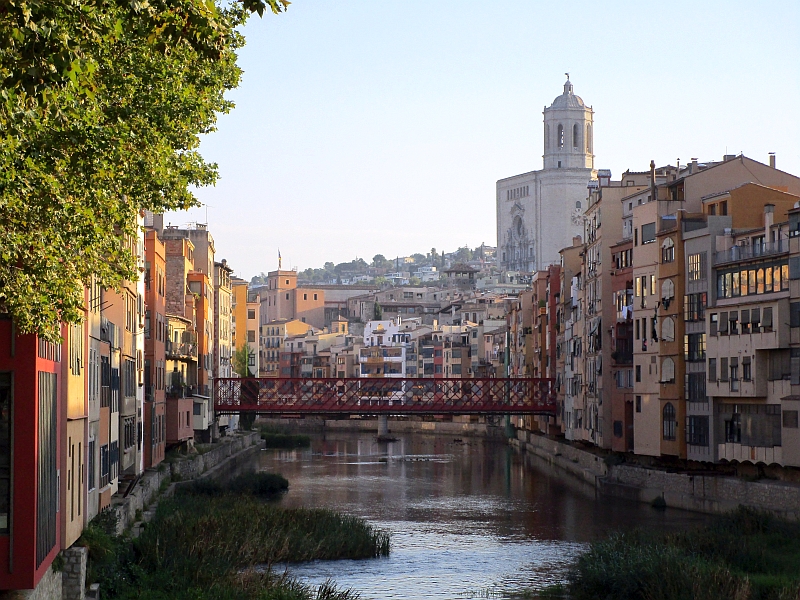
point(47, 497)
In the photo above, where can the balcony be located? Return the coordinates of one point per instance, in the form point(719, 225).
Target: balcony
point(739, 253)
point(180, 351)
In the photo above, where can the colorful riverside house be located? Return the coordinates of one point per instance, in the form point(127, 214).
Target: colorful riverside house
point(155, 332)
point(32, 423)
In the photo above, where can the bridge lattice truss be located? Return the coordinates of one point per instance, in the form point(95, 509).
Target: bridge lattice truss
point(371, 396)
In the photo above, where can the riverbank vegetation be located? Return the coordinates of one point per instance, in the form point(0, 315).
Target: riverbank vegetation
point(743, 555)
point(203, 546)
point(276, 438)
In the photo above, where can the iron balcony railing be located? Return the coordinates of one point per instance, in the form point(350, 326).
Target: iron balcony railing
point(738, 253)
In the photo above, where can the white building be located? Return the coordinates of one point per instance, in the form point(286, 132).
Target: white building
point(538, 213)
point(384, 351)
point(426, 274)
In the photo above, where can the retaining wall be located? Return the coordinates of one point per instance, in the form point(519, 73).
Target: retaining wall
point(403, 426)
point(701, 493)
point(148, 488)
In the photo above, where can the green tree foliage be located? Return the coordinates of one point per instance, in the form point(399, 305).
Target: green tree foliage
point(240, 360)
point(102, 103)
point(260, 279)
point(379, 261)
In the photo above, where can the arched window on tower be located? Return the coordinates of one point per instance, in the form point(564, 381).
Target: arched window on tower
point(560, 135)
point(588, 138)
point(546, 136)
point(576, 134)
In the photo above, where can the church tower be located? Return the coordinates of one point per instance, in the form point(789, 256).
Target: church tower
point(568, 132)
point(539, 212)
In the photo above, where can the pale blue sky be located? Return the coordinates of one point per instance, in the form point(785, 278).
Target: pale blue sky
point(370, 126)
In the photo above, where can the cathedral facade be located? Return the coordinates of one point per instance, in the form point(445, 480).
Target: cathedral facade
point(538, 213)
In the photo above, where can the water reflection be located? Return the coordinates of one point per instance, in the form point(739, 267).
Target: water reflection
point(465, 516)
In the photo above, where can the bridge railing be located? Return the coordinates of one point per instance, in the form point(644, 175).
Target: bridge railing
point(385, 395)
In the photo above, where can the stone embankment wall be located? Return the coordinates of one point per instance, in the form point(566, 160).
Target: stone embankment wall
point(395, 426)
point(192, 467)
point(701, 493)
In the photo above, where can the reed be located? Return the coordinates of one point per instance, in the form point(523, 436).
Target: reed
point(743, 555)
point(202, 546)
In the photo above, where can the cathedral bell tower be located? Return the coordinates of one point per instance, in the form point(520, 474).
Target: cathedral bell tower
point(568, 132)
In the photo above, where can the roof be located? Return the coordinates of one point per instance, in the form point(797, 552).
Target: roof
point(568, 99)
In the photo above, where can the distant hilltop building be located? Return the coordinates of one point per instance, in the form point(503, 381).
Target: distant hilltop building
point(538, 213)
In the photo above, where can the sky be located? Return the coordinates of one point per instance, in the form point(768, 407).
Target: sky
point(368, 126)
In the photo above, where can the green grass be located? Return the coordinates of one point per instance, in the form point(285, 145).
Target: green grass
point(202, 547)
point(743, 555)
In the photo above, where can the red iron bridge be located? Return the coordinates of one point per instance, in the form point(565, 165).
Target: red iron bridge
point(385, 396)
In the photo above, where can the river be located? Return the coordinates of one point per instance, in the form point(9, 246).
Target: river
point(469, 517)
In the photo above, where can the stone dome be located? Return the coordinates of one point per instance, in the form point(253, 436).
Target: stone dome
point(568, 99)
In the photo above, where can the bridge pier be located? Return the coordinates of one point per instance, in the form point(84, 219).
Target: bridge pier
point(383, 425)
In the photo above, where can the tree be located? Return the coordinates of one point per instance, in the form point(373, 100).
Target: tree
point(241, 360)
point(378, 312)
point(415, 281)
point(379, 261)
point(418, 258)
point(102, 106)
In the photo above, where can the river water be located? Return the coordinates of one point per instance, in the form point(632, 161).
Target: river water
point(468, 518)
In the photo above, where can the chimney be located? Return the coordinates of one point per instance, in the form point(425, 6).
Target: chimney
point(653, 179)
point(693, 167)
point(576, 241)
point(769, 219)
point(772, 159)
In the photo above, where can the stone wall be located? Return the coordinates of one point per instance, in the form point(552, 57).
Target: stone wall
point(147, 489)
point(701, 493)
point(74, 574)
point(395, 426)
point(584, 465)
point(49, 588)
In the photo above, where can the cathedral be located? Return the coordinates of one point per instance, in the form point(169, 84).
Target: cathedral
point(539, 212)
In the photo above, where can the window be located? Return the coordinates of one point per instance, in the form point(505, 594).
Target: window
point(697, 430)
point(668, 329)
point(794, 314)
point(667, 291)
point(638, 404)
point(47, 467)
point(251, 313)
point(315, 296)
point(790, 419)
point(694, 347)
point(764, 279)
point(638, 373)
point(670, 422)
point(92, 465)
point(695, 307)
point(5, 451)
point(697, 266)
point(575, 136)
point(668, 251)
point(734, 369)
point(560, 137)
point(648, 233)
point(668, 371)
point(779, 365)
point(747, 374)
point(733, 429)
point(695, 390)
point(712, 369)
